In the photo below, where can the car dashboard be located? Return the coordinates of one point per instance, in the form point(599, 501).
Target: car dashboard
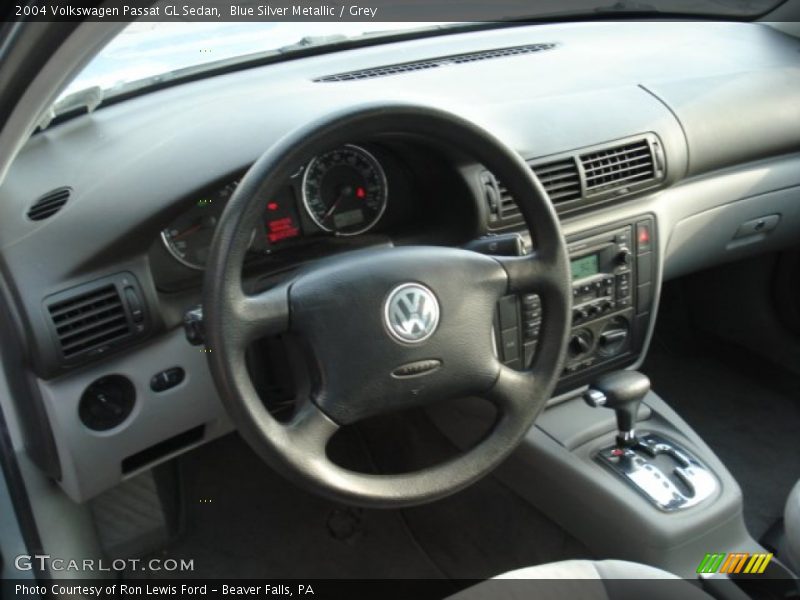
point(666, 148)
point(347, 198)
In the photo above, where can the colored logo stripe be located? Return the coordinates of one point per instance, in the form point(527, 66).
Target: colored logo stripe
point(710, 563)
point(735, 562)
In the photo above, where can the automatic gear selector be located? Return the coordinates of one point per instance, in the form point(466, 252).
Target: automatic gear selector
point(622, 391)
point(658, 468)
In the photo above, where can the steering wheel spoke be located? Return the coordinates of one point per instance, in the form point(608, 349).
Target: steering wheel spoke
point(265, 313)
point(310, 431)
point(512, 391)
point(533, 272)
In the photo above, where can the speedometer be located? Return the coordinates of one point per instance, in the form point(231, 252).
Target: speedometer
point(344, 190)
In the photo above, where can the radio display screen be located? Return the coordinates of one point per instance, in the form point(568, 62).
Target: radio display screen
point(585, 266)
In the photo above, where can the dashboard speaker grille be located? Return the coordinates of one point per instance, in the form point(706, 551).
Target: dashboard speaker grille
point(49, 204)
point(619, 166)
point(89, 321)
point(434, 63)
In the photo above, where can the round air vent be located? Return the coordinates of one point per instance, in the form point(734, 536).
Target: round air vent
point(49, 204)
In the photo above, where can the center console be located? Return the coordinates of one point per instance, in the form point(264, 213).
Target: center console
point(612, 295)
point(643, 486)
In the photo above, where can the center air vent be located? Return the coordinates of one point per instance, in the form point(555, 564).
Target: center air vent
point(602, 174)
point(49, 204)
point(561, 179)
point(618, 167)
point(434, 63)
point(90, 320)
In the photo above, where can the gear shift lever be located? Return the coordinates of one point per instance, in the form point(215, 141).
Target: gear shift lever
point(656, 466)
point(623, 391)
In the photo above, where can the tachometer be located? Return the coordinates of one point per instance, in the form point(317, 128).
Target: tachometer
point(188, 238)
point(344, 190)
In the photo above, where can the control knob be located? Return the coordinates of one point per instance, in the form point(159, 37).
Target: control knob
point(580, 343)
point(613, 337)
point(623, 257)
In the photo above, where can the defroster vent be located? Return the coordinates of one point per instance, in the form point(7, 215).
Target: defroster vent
point(434, 63)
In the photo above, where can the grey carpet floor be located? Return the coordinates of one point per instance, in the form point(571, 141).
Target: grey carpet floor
point(746, 409)
point(242, 520)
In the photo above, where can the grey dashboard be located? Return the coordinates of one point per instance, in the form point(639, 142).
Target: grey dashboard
point(721, 99)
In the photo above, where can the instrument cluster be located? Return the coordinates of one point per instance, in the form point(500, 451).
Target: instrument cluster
point(342, 192)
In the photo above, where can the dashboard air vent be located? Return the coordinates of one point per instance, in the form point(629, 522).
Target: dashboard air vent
point(90, 321)
point(618, 167)
point(561, 179)
point(49, 204)
point(434, 63)
point(507, 206)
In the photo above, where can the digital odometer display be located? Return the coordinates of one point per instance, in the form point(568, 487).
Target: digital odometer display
point(585, 267)
point(344, 190)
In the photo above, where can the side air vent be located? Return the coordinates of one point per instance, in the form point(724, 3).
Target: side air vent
point(90, 320)
point(49, 204)
point(618, 167)
point(508, 210)
point(434, 63)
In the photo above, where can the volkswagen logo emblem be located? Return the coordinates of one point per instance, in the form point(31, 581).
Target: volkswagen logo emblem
point(411, 313)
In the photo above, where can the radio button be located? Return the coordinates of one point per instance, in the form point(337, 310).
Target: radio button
point(531, 300)
point(531, 331)
point(533, 315)
point(624, 257)
point(578, 315)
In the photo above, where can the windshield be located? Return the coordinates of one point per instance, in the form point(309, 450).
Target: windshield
point(148, 52)
point(145, 49)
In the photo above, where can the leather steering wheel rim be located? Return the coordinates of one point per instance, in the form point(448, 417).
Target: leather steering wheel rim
point(466, 284)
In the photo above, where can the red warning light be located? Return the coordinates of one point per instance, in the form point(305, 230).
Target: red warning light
point(281, 229)
point(361, 192)
point(644, 236)
point(273, 206)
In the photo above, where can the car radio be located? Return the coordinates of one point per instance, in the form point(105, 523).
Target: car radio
point(612, 294)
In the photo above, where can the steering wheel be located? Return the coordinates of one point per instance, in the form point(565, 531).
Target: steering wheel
point(388, 328)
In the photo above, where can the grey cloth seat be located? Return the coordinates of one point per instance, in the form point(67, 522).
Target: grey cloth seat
point(791, 520)
point(584, 580)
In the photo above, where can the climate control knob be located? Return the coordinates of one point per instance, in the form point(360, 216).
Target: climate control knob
point(580, 343)
point(613, 337)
